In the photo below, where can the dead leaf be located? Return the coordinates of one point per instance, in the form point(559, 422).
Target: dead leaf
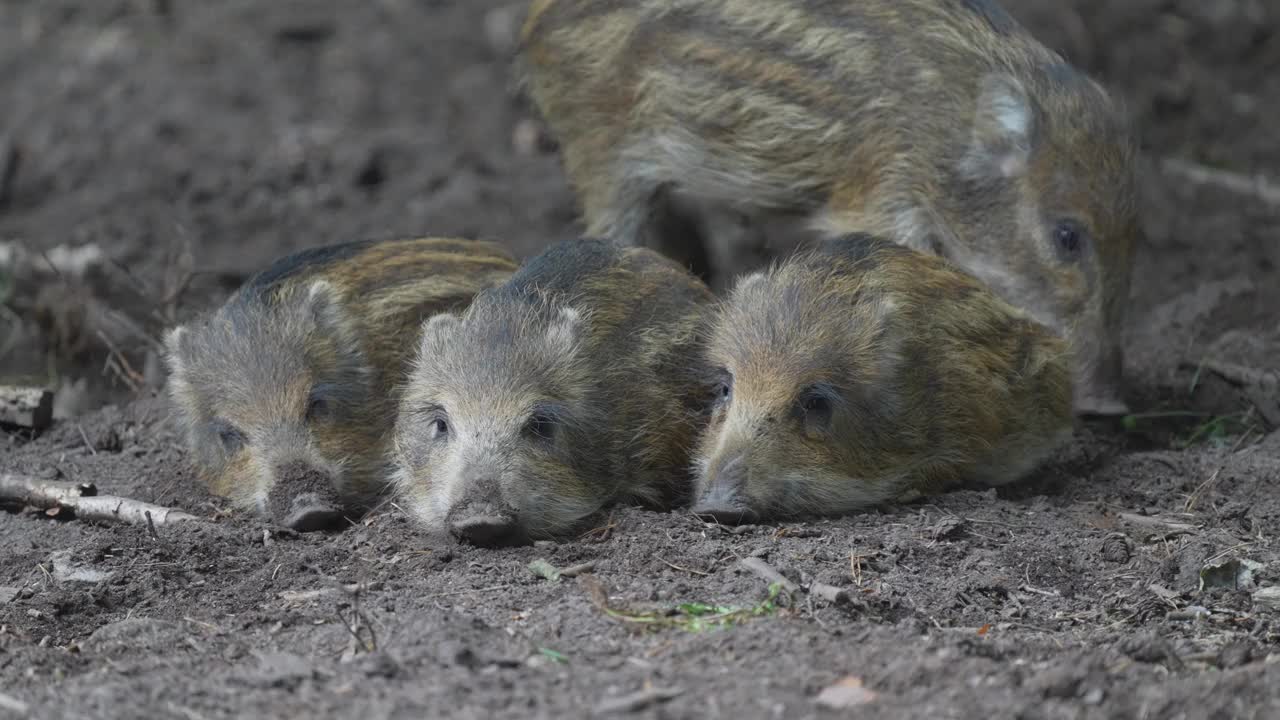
point(848, 692)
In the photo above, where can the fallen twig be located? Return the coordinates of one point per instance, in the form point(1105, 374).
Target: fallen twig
point(579, 569)
point(830, 593)
point(1257, 186)
point(85, 502)
point(1171, 527)
point(681, 568)
point(638, 700)
point(300, 596)
point(769, 573)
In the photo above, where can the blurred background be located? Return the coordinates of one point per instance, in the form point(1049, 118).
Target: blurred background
point(154, 153)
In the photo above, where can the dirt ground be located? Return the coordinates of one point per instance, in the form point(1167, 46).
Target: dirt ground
point(191, 142)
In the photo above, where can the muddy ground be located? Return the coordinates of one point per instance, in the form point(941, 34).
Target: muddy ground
point(191, 142)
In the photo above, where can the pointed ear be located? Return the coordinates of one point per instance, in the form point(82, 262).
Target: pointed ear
point(565, 329)
point(1004, 128)
point(437, 329)
point(175, 347)
point(747, 283)
point(324, 307)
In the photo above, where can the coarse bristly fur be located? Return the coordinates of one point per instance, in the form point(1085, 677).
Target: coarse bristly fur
point(575, 384)
point(304, 361)
point(942, 125)
point(860, 371)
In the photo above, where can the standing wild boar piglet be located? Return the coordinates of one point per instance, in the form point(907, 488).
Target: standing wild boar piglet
point(576, 383)
point(287, 394)
point(862, 371)
point(939, 124)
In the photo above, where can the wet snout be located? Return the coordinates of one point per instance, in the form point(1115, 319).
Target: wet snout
point(303, 498)
point(724, 500)
point(486, 522)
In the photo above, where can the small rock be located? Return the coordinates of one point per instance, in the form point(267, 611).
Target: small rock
point(8, 594)
point(66, 570)
point(848, 692)
point(1093, 696)
point(949, 528)
point(1267, 597)
point(1234, 574)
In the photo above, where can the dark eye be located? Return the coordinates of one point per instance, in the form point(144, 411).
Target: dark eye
point(319, 404)
point(1069, 239)
point(439, 428)
point(816, 405)
point(541, 427)
point(230, 437)
point(317, 408)
point(723, 388)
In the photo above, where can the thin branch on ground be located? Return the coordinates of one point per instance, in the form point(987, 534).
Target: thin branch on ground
point(83, 500)
point(1257, 186)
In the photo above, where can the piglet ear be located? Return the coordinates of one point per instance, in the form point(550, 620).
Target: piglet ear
point(175, 349)
point(747, 283)
point(565, 329)
point(1004, 128)
point(437, 328)
point(324, 308)
point(323, 303)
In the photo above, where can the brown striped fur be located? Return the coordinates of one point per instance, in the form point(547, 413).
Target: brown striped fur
point(576, 383)
point(939, 124)
point(305, 361)
point(860, 371)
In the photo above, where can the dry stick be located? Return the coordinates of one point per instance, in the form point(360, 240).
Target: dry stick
point(674, 566)
point(579, 569)
point(638, 700)
point(767, 571)
point(84, 500)
point(830, 593)
point(1257, 185)
point(1158, 523)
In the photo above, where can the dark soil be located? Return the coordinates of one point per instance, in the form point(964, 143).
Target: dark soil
point(180, 136)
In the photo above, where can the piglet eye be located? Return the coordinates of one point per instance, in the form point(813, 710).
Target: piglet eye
point(723, 389)
point(317, 408)
point(816, 405)
point(319, 403)
point(230, 436)
point(541, 427)
point(1069, 239)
